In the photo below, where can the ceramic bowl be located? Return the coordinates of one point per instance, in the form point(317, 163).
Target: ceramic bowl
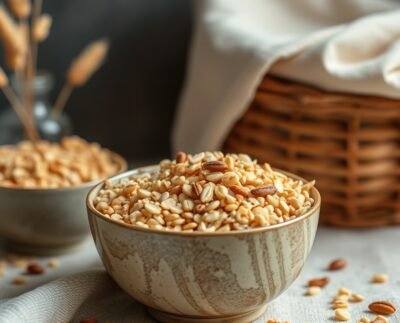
point(46, 221)
point(203, 277)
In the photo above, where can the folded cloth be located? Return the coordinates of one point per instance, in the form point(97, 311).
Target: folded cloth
point(87, 295)
point(339, 45)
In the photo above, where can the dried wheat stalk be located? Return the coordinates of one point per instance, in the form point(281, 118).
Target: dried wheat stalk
point(14, 43)
point(38, 28)
point(88, 62)
point(25, 77)
point(40, 31)
point(37, 8)
point(41, 28)
point(21, 47)
point(14, 60)
point(20, 8)
point(17, 106)
point(3, 78)
point(81, 69)
point(13, 40)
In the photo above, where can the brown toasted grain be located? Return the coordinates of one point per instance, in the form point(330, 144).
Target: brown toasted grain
point(320, 282)
point(382, 307)
point(34, 268)
point(337, 264)
point(180, 157)
point(215, 166)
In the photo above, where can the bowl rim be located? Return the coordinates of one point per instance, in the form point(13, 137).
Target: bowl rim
point(94, 190)
point(117, 158)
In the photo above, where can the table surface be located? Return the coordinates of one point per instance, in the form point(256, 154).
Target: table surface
point(367, 251)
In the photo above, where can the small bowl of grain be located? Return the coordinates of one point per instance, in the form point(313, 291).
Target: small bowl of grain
point(42, 192)
point(206, 237)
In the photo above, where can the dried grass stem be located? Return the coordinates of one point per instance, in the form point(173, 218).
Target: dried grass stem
point(62, 99)
point(81, 69)
point(21, 113)
point(37, 9)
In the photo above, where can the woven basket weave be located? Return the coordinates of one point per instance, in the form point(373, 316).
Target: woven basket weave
point(350, 144)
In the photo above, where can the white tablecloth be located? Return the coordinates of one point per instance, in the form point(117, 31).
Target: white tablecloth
point(89, 293)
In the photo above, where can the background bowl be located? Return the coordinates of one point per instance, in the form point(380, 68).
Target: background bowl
point(203, 277)
point(46, 221)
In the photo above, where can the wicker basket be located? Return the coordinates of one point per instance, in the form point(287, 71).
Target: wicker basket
point(348, 143)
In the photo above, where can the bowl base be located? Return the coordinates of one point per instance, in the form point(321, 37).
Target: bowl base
point(41, 250)
point(237, 318)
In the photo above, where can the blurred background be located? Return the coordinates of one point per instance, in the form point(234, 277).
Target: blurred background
point(287, 86)
point(128, 105)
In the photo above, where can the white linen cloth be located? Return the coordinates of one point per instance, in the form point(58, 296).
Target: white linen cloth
point(339, 45)
point(92, 294)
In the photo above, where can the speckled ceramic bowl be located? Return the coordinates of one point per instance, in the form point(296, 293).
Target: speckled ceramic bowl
point(46, 221)
point(203, 277)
